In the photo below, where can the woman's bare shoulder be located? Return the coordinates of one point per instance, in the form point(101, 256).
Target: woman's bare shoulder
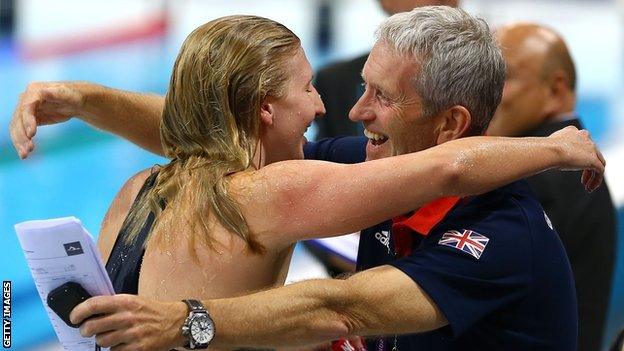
point(118, 211)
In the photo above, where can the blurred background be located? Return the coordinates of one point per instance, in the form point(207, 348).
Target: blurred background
point(131, 44)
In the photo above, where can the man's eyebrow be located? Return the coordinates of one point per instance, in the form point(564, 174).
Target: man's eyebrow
point(377, 87)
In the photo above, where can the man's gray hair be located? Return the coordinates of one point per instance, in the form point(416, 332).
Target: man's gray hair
point(461, 62)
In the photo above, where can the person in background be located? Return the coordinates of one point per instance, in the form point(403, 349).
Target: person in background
point(7, 18)
point(539, 98)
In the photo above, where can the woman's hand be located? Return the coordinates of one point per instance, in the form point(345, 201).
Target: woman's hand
point(40, 104)
point(580, 153)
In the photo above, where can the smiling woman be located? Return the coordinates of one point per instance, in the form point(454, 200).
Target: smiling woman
point(240, 98)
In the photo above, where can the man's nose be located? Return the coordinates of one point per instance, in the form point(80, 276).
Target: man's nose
point(361, 112)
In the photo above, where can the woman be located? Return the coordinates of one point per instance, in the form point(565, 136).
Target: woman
point(223, 216)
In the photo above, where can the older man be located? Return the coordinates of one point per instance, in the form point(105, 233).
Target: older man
point(480, 273)
point(539, 98)
point(341, 86)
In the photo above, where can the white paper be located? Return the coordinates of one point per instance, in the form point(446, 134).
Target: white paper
point(59, 251)
point(345, 245)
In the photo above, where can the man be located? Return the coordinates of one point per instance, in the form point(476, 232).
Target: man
point(484, 273)
point(539, 98)
point(340, 83)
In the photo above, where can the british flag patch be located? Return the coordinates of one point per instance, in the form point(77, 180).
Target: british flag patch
point(467, 241)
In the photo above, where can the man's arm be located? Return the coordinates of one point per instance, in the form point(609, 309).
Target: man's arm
point(378, 301)
point(132, 116)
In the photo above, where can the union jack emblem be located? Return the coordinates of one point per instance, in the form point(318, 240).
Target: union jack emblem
point(467, 241)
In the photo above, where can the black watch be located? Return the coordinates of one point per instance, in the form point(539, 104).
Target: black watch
point(198, 328)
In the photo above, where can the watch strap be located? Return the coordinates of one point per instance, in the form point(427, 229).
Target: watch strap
point(194, 306)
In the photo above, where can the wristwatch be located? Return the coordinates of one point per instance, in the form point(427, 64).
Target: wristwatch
point(198, 328)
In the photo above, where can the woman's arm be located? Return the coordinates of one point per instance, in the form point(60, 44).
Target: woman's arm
point(294, 200)
point(133, 116)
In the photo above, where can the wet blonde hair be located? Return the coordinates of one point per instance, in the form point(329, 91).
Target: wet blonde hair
point(211, 123)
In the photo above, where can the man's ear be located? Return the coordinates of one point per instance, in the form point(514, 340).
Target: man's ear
point(267, 112)
point(455, 123)
point(558, 90)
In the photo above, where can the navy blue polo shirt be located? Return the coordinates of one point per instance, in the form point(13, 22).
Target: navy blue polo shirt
point(340, 150)
point(491, 263)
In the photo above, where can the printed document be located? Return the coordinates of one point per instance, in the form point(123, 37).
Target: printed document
point(59, 251)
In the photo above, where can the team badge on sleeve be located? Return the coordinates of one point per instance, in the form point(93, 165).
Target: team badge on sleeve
point(467, 241)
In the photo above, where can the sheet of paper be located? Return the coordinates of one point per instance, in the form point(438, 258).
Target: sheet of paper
point(58, 251)
point(345, 245)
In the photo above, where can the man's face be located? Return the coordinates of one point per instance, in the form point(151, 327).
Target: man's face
point(523, 105)
point(395, 6)
point(390, 108)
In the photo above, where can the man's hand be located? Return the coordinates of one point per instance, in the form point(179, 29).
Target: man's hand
point(581, 153)
point(130, 322)
point(41, 104)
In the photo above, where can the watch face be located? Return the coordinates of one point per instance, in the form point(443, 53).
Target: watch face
point(202, 329)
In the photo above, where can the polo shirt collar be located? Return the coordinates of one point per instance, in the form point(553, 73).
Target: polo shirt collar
point(421, 222)
point(426, 217)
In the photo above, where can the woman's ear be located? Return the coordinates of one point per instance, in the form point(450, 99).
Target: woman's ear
point(267, 112)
